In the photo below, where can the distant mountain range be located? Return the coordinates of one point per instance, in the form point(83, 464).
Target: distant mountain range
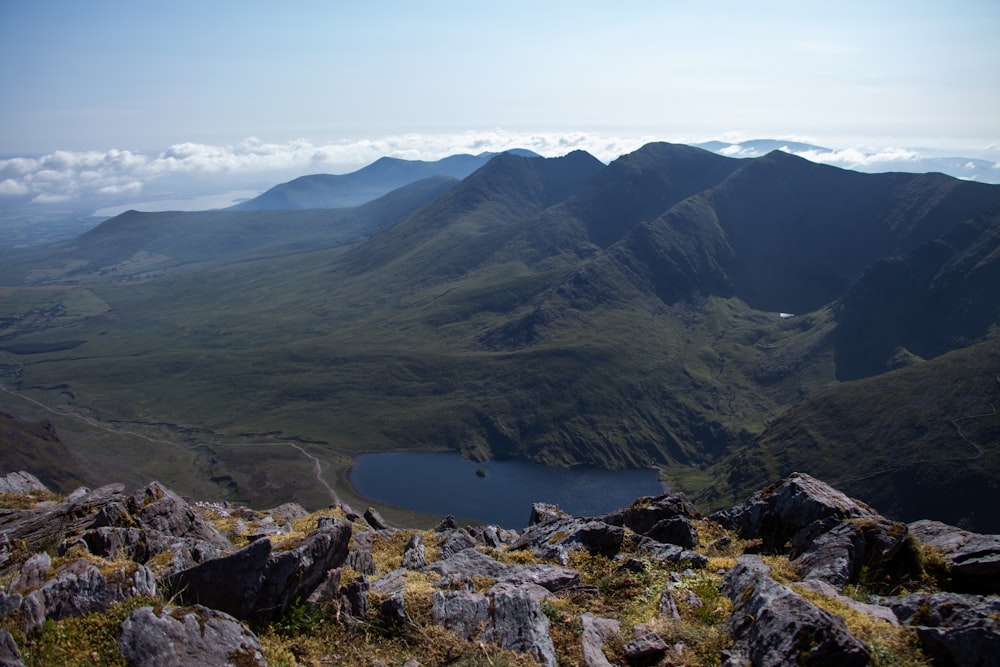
point(375, 180)
point(873, 161)
point(731, 320)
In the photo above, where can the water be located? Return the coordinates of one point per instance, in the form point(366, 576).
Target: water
point(443, 483)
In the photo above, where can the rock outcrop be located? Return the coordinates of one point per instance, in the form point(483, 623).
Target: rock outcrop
point(187, 637)
point(640, 585)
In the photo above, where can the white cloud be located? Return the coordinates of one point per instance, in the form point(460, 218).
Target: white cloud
point(11, 188)
point(860, 158)
point(64, 176)
point(109, 178)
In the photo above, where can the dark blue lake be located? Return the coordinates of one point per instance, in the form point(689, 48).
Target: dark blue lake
point(443, 483)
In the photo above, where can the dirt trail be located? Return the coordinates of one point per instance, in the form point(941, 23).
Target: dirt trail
point(94, 423)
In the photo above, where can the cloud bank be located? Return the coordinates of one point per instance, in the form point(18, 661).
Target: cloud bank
point(115, 176)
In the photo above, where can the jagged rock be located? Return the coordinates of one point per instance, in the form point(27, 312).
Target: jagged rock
point(108, 542)
point(545, 512)
point(258, 584)
point(492, 536)
point(47, 526)
point(288, 511)
point(874, 610)
point(463, 612)
point(454, 541)
point(518, 623)
point(668, 552)
point(676, 530)
point(466, 564)
point(414, 557)
point(777, 512)
point(776, 626)
point(646, 646)
point(349, 513)
point(361, 560)
point(552, 538)
point(834, 556)
point(31, 606)
point(974, 558)
point(196, 637)
point(21, 482)
point(375, 519)
point(643, 514)
point(354, 598)
point(74, 588)
point(33, 573)
point(550, 577)
point(159, 509)
point(596, 633)
point(446, 524)
point(390, 588)
point(954, 629)
point(834, 551)
point(9, 655)
point(328, 589)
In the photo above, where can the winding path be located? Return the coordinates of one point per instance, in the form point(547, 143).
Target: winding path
point(317, 465)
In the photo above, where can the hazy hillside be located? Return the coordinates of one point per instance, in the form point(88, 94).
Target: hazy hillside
point(137, 245)
point(370, 182)
point(558, 309)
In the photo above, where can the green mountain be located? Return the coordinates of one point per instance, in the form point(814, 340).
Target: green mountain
point(559, 310)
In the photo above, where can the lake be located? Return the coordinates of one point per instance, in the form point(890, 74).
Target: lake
point(443, 483)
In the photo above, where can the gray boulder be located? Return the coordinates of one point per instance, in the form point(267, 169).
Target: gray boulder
point(182, 637)
point(257, 583)
point(772, 625)
point(552, 538)
point(646, 646)
point(9, 655)
point(157, 508)
point(954, 629)
point(47, 526)
point(464, 612)
point(375, 520)
point(73, 589)
point(777, 512)
point(643, 514)
point(974, 558)
point(21, 482)
point(518, 623)
point(466, 564)
point(596, 633)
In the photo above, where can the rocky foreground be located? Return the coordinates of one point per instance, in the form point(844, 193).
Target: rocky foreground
point(797, 573)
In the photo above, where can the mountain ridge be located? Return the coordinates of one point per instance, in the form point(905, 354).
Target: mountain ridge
point(558, 310)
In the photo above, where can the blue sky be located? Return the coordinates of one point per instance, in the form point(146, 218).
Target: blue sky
point(142, 77)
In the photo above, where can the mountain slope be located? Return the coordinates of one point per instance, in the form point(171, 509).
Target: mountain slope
point(551, 309)
point(925, 438)
point(370, 182)
point(137, 245)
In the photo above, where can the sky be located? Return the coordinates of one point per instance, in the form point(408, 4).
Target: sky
point(133, 99)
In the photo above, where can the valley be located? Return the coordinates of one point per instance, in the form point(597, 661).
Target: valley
point(560, 311)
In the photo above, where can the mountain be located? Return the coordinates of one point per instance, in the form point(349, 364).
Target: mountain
point(669, 309)
point(137, 245)
point(868, 160)
point(924, 438)
point(370, 182)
